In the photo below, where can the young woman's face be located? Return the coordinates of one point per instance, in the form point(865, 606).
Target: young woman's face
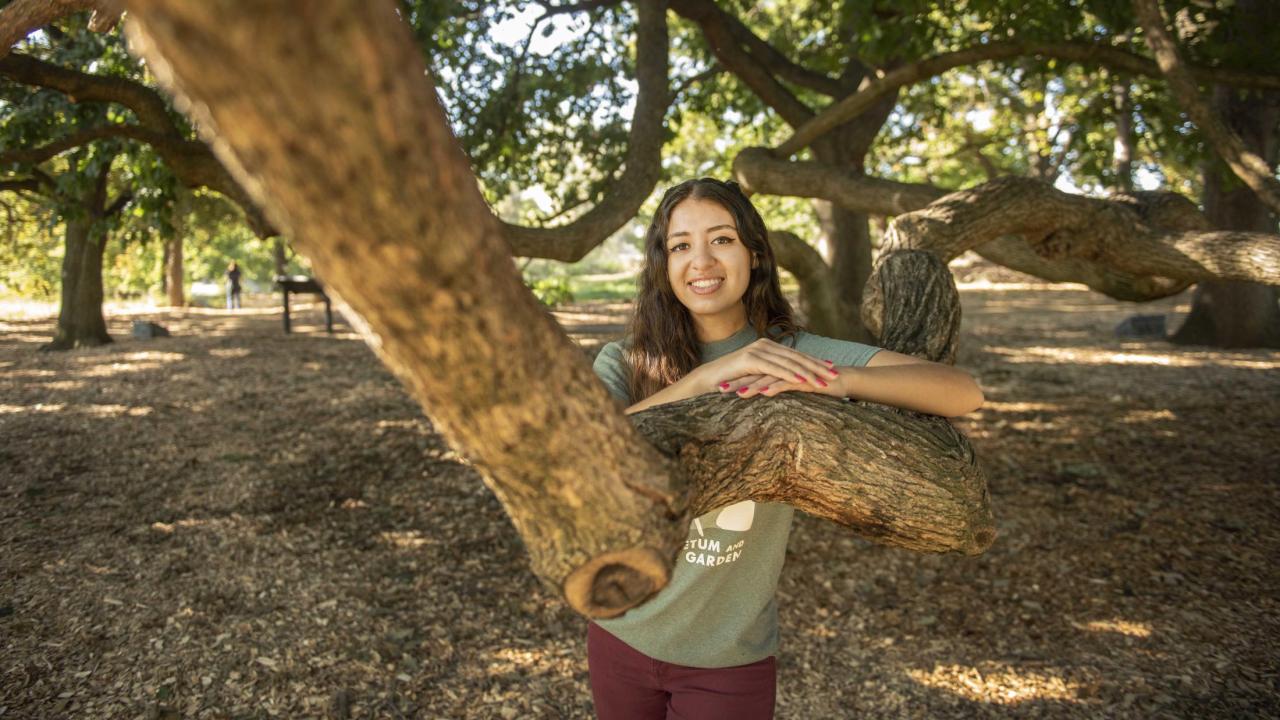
point(707, 264)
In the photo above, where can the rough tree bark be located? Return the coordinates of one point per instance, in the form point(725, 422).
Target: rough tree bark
point(759, 171)
point(412, 248)
point(1144, 234)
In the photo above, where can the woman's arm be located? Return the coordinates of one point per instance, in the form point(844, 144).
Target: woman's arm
point(691, 385)
point(908, 382)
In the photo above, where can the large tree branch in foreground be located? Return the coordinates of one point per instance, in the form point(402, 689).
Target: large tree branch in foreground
point(641, 169)
point(21, 17)
point(1115, 58)
point(902, 479)
point(1248, 166)
point(394, 222)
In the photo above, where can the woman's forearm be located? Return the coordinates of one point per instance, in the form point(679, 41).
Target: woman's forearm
point(928, 388)
point(690, 385)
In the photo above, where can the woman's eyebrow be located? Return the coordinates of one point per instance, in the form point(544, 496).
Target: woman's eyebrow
point(713, 227)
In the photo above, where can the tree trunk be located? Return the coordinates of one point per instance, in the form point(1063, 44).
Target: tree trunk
point(80, 319)
point(1123, 150)
point(1237, 314)
point(278, 255)
point(847, 232)
point(174, 275)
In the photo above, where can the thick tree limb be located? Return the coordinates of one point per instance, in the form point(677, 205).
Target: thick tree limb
point(1256, 172)
point(1060, 225)
point(22, 185)
point(21, 17)
point(725, 43)
point(759, 171)
point(911, 305)
point(36, 155)
point(642, 167)
point(1014, 253)
point(780, 65)
point(1115, 58)
point(832, 459)
point(146, 104)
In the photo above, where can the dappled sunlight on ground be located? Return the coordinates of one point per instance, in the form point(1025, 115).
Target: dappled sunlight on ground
point(1123, 627)
point(1000, 685)
point(233, 521)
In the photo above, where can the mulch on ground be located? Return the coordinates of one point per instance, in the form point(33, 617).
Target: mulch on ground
point(232, 522)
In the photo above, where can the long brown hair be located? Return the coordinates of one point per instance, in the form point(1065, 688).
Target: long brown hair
point(663, 345)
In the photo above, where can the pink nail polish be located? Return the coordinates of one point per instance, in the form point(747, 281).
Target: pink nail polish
point(724, 386)
point(819, 381)
point(766, 387)
point(742, 389)
point(833, 373)
point(829, 362)
point(800, 377)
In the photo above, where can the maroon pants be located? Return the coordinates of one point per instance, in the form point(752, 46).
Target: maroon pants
point(626, 684)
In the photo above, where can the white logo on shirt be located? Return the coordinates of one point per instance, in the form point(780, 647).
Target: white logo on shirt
point(737, 517)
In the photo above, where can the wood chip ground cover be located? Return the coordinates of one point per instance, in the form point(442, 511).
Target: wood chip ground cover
point(236, 523)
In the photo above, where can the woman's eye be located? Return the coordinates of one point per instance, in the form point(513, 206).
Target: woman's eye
point(677, 246)
point(725, 238)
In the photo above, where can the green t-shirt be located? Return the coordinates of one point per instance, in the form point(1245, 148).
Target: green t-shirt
point(719, 609)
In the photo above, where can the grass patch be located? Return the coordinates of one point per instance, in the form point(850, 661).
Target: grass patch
point(619, 289)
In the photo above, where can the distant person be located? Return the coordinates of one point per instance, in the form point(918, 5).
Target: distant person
point(233, 286)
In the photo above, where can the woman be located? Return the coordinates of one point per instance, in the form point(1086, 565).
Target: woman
point(710, 317)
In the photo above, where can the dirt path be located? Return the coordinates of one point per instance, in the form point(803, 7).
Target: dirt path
point(237, 523)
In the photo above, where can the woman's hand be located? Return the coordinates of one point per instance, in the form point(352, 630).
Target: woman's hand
point(766, 367)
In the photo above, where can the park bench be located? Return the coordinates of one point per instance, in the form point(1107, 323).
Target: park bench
point(303, 284)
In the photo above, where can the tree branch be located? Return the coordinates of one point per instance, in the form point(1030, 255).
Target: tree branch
point(1248, 166)
point(118, 205)
point(759, 171)
point(146, 104)
point(25, 184)
point(21, 17)
point(191, 160)
point(716, 25)
point(1152, 233)
point(780, 65)
point(642, 165)
point(1118, 59)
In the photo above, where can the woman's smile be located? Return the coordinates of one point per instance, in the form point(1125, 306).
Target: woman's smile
point(706, 286)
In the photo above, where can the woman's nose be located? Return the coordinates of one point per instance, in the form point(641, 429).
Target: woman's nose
point(702, 256)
